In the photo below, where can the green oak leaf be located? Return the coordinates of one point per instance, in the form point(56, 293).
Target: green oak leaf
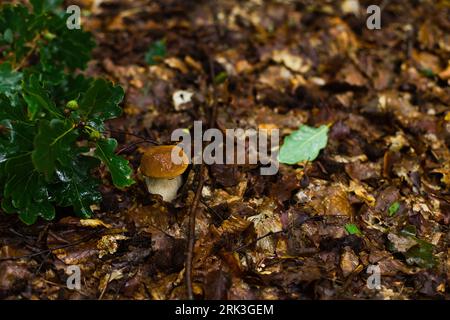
point(8, 36)
point(77, 187)
point(26, 192)
point(71, 48)
point(118, 166)
point(101, 102)
point(21, 176)
point(53, 143)
point(15, 142)
point(303, 144)
point(43, 209)
point(9, 81)
point(7, 206)
point(10, 111)
point(41, 6)
point(38, 99)
point(44, 145)
point(20, 22)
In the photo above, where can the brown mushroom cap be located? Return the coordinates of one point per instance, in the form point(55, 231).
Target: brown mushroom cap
point(157, 162)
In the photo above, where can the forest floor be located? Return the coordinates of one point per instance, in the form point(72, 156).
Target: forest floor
point(377, 195)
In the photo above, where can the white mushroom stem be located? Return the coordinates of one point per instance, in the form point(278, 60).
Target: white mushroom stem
point(165, 187)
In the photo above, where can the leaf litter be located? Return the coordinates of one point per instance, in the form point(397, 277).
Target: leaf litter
point(373, 190)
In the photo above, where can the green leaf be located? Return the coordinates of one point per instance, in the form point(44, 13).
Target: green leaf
point(427, 72)
point(53, 143)
point(10, 112)
point(30, 214)
point(21, 182)
point(393, 208)
point(15, 142)
point(9, 81)
point(409, 231)
point(8, 36)
point(38, 99)
point(352, 228)
point(43, 144)
point(71, 48)
point(101, 102)
point(156, 52)
point(7, 206)
point(17, 19)
point(303, 144)
point(221, 77)
point(118, 166)
point(421, 255)
point(41, 6)
point(26, 191)
point(77, 187)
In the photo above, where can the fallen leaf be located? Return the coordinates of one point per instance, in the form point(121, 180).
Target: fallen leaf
point(303, 144)
point(293, 62)
point(109, 277)
point(349, 261)
point(401, 243)
point(352, 228)
point(361, 193)
point(108, 244)
point(93, 223)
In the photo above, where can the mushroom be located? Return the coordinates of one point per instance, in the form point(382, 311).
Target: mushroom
point(162, 167)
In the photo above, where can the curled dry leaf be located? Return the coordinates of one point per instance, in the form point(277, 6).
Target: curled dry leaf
point(349, 261)
point(361, 193)
point(265, 222)
point(108, 244)
point(94, 223)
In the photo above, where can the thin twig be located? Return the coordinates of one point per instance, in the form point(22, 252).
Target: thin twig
point(134, 135)
point(29, 54)
point(131, 145)
point(201, 181)
point(191, 232)
point(32, 255)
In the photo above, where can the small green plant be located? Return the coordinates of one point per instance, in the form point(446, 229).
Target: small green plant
point(393, 208)
point(420, 254)
point(52, 117)
point(352, 229)
point(156, 52)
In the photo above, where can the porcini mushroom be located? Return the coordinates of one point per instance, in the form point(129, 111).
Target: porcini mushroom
point(162, 167)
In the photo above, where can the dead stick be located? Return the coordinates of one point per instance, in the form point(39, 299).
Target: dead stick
point(201, 181)
point(50, 250)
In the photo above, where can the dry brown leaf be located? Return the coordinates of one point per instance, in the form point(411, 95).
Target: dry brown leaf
point(108, 244)
point(94, 223)
point(177, 64)
point(109, 277)
point(361, 193)
point(349, 261)
point(293, 62)
point(401, 244)
point(445, 74)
